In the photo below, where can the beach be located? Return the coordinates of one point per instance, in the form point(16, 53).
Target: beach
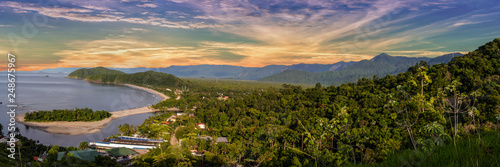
point(78, 128)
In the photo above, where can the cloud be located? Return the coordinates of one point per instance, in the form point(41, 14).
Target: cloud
point(466, 23)
point(134, 30)
point(147, 5)
point(97, 7)
point(88, 13)
point(258, 33)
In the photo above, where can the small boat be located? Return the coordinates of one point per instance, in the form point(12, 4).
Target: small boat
point(46, 75)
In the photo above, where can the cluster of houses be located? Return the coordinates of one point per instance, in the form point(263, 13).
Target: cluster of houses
point(122, 148)
point(121, 154)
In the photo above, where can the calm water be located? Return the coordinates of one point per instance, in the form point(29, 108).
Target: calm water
point(38, 92)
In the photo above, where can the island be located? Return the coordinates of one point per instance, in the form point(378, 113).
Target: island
point(103, 75)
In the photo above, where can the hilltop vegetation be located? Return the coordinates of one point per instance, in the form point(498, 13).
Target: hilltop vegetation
point(380, 65)
point(426, 109)
point(150, 78)
point(141, 78)
point(85, 72)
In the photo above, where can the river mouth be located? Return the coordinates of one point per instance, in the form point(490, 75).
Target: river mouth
point(37, 92)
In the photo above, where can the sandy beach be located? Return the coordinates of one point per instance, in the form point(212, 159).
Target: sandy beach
point(78, 128)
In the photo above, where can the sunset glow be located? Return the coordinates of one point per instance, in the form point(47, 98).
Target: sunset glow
point(143, 33)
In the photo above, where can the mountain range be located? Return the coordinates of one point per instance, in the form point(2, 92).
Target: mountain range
point(380, 65)
point(336, 73)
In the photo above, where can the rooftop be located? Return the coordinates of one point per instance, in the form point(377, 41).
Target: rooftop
point(87, 155)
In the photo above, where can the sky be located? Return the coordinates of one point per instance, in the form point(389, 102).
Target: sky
point(251, 33)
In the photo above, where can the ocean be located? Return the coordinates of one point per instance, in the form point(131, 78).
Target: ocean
point(55, 91)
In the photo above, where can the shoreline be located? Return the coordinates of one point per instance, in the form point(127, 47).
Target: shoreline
point(79, 128)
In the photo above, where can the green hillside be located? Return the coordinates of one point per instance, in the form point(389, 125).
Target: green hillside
point(85, 72)
point(141, 78)
point(429, 115)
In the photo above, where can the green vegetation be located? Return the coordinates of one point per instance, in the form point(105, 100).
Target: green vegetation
point(84, 72)
point(150, 78)
point(443, 115)
point(380, 65)
point(83, 114)
point(468, 152)
point(436, 107)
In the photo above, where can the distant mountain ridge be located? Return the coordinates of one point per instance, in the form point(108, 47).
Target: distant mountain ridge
point(222, 71)
point(383, 61)
point(379, 65)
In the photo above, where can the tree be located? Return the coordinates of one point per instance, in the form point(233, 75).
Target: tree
point(52, 157)
point(83, 145)
point(407, 118)
point(457, 104)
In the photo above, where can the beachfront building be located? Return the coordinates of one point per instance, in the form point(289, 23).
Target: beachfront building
point(87, 155)
point(127, 142)
point(121, 154)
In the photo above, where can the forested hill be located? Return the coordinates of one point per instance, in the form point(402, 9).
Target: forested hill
point(104, 75)
point(363, 122)
point(85, 72)
point(141, 78)
point(380, 65)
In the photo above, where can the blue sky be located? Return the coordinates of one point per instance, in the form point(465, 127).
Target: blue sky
point(149, 33)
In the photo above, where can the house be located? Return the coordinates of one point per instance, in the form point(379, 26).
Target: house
point(197, 153)
point(119, 152)
point(218, 140)
point(172, 118)
point(221, 139)
point(87, 155)
point(201, 126)
point(206, 138)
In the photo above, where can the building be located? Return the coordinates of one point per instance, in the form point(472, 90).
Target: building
point(87, 155)
point(127, 142)
point(218, 140)
point(221, 140)
point(197, 153)
point(120, 152)
point(172, 118)
point(201, 126)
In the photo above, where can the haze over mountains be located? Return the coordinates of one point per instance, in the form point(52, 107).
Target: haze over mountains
point(336, 73)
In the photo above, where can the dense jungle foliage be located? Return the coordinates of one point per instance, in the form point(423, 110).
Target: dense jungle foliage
point(85, 72)
point(356, 123)
point(445, 114)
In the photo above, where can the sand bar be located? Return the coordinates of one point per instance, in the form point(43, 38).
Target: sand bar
point(78, 128)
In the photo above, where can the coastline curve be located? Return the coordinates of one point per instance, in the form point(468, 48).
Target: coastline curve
point(79, 128)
